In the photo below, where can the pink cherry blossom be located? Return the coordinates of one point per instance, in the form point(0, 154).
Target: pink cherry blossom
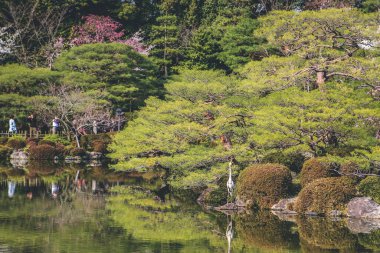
point(100, 29)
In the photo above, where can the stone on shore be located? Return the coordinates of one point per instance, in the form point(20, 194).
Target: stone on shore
point(363, 207)
point(284, 206)
point(95, 155)
point(19, 155)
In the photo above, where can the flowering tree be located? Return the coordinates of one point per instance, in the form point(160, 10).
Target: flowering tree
point(99, 29)
point(75, 109)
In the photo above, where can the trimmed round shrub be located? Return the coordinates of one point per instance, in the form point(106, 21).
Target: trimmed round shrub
point(325, 194)
point(43, 152)
point(293, 161)
point(99, 146)
point(370, 186)
point(5, 152)
point(263, 185)
point(316, 168)
point(16, 142)
point(78, 152)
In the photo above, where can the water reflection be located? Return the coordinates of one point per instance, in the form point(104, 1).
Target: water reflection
point(229, 232)
point(57, 208)
point(11, 189)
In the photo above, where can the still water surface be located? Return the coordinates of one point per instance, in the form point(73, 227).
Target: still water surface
point(88, 209)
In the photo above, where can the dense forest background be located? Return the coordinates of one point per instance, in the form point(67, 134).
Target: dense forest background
point(199, 81)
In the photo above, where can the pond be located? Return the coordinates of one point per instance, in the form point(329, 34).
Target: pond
point(76, 208)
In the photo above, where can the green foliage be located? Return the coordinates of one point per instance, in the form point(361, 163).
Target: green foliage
point(293, 161)
point(19, 79)
point(325, 194)
point(316, 168)
point(180, 134)
point(121, 75)
point(56, 139)
point(370, 5)
point(239, 45)
point(16, 142)
point(323, 45)
point(208, 117)
point(370, 186)
point(165, 40)
point(315, 122)
point(263, 185)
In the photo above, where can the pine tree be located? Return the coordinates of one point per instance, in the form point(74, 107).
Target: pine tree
point(165, 41)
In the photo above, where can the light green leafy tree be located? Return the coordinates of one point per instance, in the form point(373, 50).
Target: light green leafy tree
point(333, 43)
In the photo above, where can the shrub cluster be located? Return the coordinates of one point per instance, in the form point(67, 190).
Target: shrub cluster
point(44, 152)
point(97, 143)
point(5, 152)
point(370, 186)
point(263, 185)
point(16, 142)
point(325, 194)
point(316, 168)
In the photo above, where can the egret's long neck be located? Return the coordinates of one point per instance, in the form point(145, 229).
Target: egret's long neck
point(230, 171)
